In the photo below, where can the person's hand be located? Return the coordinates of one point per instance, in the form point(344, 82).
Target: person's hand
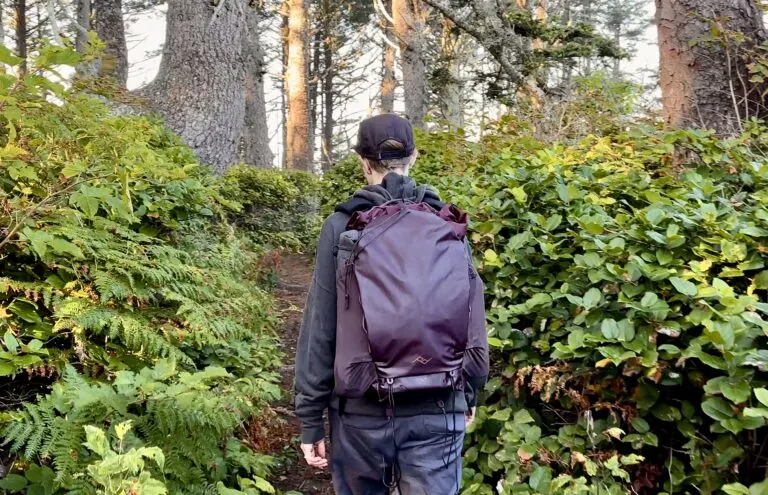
point(314, 454)
point(470, 416)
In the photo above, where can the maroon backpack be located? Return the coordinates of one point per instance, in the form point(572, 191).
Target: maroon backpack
point(405, 285)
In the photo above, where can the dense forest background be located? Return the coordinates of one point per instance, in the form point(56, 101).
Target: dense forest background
point(156, 237)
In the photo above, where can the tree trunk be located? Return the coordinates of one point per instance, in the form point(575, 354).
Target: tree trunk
point(84, 22)
point(109, 26)
point(2, 28)
point(328, 83)
point(451, 104)
point(284, 8)
point(704, 84)
point(299, 156)
point(256, 150)
point(616, 61)
point(200, 86)
point(21, 34)
point(315, 72)
point(388, 81)
point(409, 29)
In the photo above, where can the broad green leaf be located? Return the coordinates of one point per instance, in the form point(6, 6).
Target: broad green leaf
point(761, 280)
point(13, 483)
point(122, 428)
point(762, 396)
point(640, 425)
point(756, 412)
point(684, 286)
point(716, 408)
point(11, 344)
point(610, 329)
point(737, 393)
point(96, 441)
point(519, 194)
point(554, 222)
point(592, 298)
point(62, 246)
point(523, 417)
point(540, 479)
point(502, 414)
point(735, 489)
point(25, 310)
point(654, 215)
point(733, 251)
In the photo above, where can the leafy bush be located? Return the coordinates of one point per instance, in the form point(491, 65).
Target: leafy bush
point(625, 278)
point(122, 300)
point(279, 208)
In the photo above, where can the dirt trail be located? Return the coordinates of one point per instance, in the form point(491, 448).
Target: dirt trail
point(294, 275)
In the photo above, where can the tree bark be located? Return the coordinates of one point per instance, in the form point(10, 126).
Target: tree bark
point(256, 149)
point(315, 75)
point(299, 140)
point(84, 20)
point(388, 81)
point(200, 86)
point(108, 20)
point(703, 83)
point(409, 29)
point(284, 9)
point(21, 34)
point(451, 102)
point(329, 74)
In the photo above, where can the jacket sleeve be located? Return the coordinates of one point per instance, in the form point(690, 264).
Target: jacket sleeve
point(476, 360)
point(314, 377)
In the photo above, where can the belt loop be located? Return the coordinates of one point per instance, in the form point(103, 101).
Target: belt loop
point(342, 403)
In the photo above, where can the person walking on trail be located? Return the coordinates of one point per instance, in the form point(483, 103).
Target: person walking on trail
point(393, 341)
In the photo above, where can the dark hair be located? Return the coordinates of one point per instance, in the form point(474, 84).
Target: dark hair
point(384, 166)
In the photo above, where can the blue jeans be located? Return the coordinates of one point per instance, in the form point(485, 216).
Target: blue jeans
point(419, 455)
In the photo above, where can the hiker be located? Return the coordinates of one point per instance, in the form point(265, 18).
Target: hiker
point(393, 339)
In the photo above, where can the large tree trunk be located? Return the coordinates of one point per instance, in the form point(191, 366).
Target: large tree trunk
point(200, 87)
point(704, 84)
point(284, 9)
point(256, 150)
point(388, 81)
point(451, 102)
point(328, 83)
point(315, 76)
point(21, 34)
point(109, 26)
point(299, 139)
point(409, 29)
point(84, 24)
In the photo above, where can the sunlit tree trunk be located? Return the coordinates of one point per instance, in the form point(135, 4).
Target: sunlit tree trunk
point(299, 153)
point(409, 30)
point(451, 102)
point(388, 81)
point(705, 83)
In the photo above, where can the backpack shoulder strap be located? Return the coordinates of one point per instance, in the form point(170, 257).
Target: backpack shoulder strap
point(421, 192)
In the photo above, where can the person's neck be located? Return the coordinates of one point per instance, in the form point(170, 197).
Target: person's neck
point(377, 178)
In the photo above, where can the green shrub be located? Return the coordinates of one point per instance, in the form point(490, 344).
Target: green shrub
point(625, 315)
point(626, 282)
point(279, 208)
point(121, 299)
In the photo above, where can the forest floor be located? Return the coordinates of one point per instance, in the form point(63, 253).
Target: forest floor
point(294, 275)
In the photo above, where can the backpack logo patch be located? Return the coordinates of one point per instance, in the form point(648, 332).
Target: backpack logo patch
point(422, 360)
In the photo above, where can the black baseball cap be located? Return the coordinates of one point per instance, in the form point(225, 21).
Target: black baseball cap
point(374, 131)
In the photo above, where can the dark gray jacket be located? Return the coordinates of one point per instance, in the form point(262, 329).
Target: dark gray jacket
point(314, 382)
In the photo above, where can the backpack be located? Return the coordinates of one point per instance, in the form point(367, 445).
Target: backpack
point(404, 285)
